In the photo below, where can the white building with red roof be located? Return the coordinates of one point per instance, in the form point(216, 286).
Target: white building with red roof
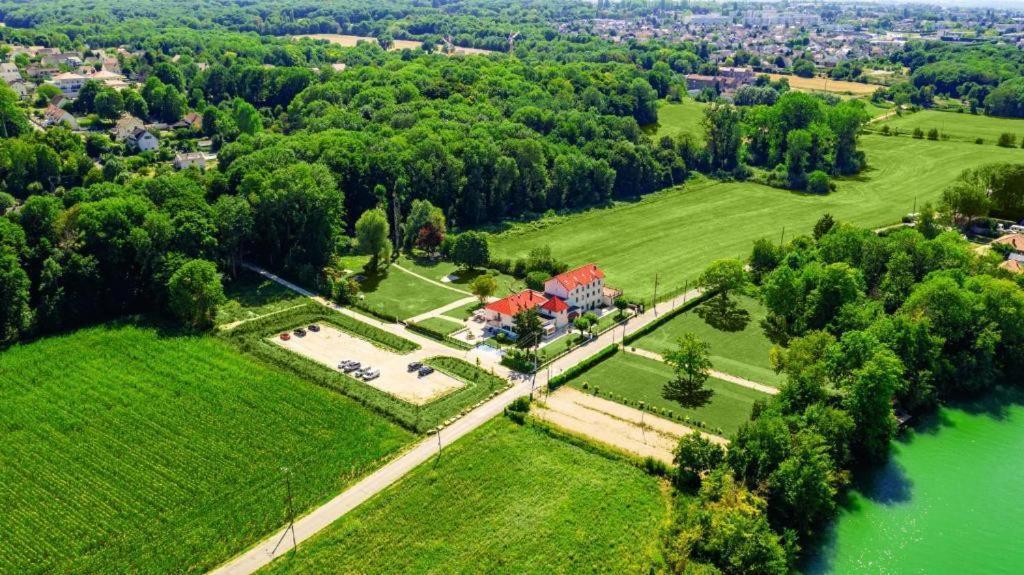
point(567, 296)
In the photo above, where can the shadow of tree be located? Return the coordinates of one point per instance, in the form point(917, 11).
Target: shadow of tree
point(724, 315)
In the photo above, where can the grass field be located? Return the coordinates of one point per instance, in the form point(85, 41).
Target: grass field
point(676, 233)
point(129, 450)
point(820, 84)
point(504, 499)
point(441, 325)
point(678, 118)
point(251, 296)
point(743, 352)
point(961, 127)
point(641, 379)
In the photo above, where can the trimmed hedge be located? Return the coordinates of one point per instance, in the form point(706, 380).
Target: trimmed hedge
point(667, 317)
point(381, 315)
point(582, 367)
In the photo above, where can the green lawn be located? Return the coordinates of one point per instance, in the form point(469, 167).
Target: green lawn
point(504, 499)
point(637, 378)
point(738, 345)
point(962, 127)
point(675, 234)
point(445, 326)
point(463, 313)
point(126, 449)
point(678, 118)
point(251, 296)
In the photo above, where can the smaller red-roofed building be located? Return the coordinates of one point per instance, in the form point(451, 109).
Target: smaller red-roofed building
point(501, 314)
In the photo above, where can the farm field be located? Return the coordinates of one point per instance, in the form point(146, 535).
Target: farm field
point(674, 234)
point(820, 84)
point(349, 41)
point(251, 296)
point(505, 498)
point(961, 127)
point(641, 379)
point(743, 352)
point(679, 118)
point(124, 446)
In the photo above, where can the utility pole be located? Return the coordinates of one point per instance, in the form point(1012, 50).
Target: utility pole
point(394, 227)
point(782, 239)
point(654, 300)
point(291, 513)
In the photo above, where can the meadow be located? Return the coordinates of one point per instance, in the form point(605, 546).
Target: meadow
point(679, 118)
point(674, 234)
point(130, 449)
point(821, 84)
point(250, 296)
point(637, 378)
point(961, 127)
point(503, 499)
point(740, 349)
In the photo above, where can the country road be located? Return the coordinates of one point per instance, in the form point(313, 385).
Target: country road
point(316, 520)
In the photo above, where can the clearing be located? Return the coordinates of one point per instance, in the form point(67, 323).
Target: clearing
point(820, 84)
point(251, 296)
point(330, 345)
point(738, 344)
point(349, 41)
point(678, 118)
point(504, 498)
point(623, 428)
point(634, 380)
point(125, 446)
point(961, 127)
point(674, 234)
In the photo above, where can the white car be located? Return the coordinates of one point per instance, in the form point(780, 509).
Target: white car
point(370, 373)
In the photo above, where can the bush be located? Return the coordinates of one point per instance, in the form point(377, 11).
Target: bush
point(979, 141)
point(1007, 140)
point(918, 133)
point(933, 134)
point(818, 183)
point(535, 280)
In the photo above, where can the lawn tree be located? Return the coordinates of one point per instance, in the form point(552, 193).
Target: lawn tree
point(966, 200)
point(691, 366)
point(528, 328)
point(372, 231)
point(723, 277)
point(581, 324)
point(424, 215)
point(621, 304)
point(194, 292)
point(592, 319)
point(695, 456)
point(824, 225)
point(483, 286)
point(471, 250)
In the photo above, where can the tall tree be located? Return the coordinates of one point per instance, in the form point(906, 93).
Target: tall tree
point(373, 237)
point(691, 367)
point(194, 292)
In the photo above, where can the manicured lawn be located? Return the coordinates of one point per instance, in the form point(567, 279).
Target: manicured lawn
point(679, 118)
point(445, 326)
point(676, 233)
point(126, 449)
point(504, 499)
point(962, 127)
point(437, 270)
point(742, 352)
point(637, 378)
point(251, 295)
point(463, 313)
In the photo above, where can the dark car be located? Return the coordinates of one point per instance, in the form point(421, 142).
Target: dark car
point(426, 370)
point(286, 336)
point(314, 327)
point(415, 366)
point(300, 332)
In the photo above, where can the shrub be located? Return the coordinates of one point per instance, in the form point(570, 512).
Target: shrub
point(933, 134)
point(818, 183)
point(535, 280)
point(918, 133)
point(1007, 140)
point(979, 140)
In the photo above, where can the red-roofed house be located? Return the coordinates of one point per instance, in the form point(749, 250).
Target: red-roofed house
point(582, 288)
point(502, 313)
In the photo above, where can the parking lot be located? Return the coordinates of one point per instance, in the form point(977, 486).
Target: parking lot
point(330, 346)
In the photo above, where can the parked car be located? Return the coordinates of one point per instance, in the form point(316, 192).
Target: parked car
point(415, 366)
point(300, 332)
point(426, 370)
point(314, 327)
point(286, 336)
point(352, 366)
point(344, 363)
point(370, 373)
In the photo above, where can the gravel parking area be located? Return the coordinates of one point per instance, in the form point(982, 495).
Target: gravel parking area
point(330, 346)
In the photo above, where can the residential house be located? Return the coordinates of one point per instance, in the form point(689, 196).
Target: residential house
point(582, 288)
point(69, 83)
point(23, 89)
point(191, 120)
point(143, 140)
point(1015, 258)
point(9, 73)
point(501, 314)
point(185, 160)
point(56, 116)
point(124, 127)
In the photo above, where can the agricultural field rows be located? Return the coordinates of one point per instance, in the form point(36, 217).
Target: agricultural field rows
point(506, 498)
point(130, 449)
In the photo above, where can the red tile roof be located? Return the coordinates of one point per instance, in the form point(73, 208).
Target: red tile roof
point(516, 303)
point(1016, 241)
point(555, 305)
point(1012, 266)
point(582, 275)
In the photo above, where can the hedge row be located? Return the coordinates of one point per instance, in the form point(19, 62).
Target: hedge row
point(582, 367)
point(666, 317)
point(381, 315)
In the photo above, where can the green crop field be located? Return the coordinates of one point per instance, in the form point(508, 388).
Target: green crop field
point(674, 234)
point(637, 378)
point(962, 127)
point(504, 499)
point(251, 296)
point(679, 118)
point(742, 352)
point(128, 450)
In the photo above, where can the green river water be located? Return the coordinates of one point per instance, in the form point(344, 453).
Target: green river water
point(951, 501)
